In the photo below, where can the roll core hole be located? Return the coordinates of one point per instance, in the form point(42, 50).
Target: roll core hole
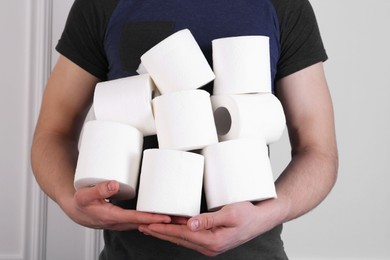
point(223, 120)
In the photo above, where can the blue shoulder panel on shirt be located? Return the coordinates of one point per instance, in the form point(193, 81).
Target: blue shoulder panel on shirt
point(137, 25)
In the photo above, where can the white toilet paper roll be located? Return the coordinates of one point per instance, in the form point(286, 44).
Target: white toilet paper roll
point(109, 151)
point(171, 182)
point(127, 100)
point(237, 170)
point(177, 63)
point(241, 65)
point(141, 69)
point(248, 115)
point(184, 120)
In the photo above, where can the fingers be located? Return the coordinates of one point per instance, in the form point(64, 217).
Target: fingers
point(176, 234)
point(104, 190)
point(179, 220)
point(94, 211)
point(206, 221)
point(229, 216)
point(108, 216)
point(121, 219)
point(204, 241)
point(142, 217)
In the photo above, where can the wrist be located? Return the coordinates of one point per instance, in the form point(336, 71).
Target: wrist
point(64, 198)
point(277, 211)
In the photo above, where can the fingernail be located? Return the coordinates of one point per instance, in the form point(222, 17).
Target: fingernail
point(143, 230)
point(195, 224)
point(111, 186)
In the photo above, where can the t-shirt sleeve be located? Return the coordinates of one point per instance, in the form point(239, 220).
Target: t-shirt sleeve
point(300, 39)
point(83, 35)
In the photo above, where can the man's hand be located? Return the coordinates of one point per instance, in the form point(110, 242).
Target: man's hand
point(90, 208)
point(216, 232)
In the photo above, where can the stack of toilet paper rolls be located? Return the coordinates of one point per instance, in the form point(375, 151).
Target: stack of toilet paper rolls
point(111, 145)
point(231, 129)
point(248, 117)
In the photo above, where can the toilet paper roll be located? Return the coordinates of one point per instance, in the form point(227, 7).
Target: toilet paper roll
point(177, 63)
point(248, 115)
point(241, 65)
point(109, 151)
point(184, 120)
point(141, 69)
point(171, 182)
point(127, 100)
point(237, 170)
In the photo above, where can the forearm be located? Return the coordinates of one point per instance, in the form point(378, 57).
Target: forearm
point(66, 101)
point(54, 159)
point(306, 181)
point(312, 171)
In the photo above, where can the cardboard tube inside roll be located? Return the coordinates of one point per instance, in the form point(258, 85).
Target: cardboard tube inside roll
point(248, 115)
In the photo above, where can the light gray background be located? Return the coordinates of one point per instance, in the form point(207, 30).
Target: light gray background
point(352, 223)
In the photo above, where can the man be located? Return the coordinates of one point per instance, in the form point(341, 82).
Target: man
point(99, 43)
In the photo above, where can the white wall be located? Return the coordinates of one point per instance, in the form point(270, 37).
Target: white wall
point(30, 227)
point(13, 108)
point(353, 223)
point(354, 220)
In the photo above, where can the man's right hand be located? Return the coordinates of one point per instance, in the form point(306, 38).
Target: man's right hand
point(89, 207)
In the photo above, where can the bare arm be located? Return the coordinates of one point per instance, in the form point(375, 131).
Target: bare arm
point(67, 99)
point(312, 171)
point(303, 185)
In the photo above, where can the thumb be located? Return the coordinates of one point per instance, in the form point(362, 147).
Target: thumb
point(205, 221)
point(102, 190)
point(105, 190)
